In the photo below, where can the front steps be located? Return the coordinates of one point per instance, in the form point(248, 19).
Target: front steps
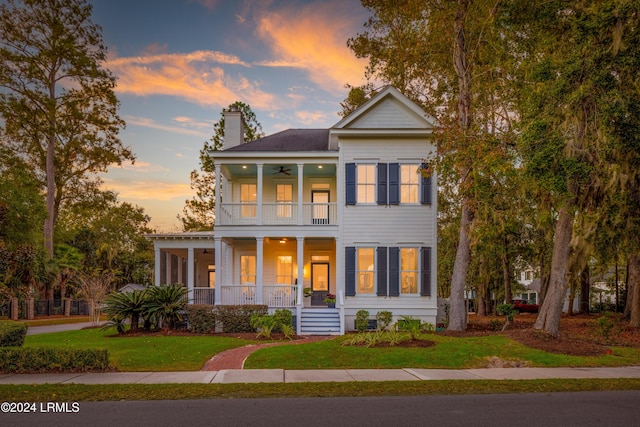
point(320, 321)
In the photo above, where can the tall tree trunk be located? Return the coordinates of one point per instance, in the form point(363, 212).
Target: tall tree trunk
point(506, 273)
point(634, 282)
point(458, 314)
point(50, 200)
point(551, 309)
point(585, 289)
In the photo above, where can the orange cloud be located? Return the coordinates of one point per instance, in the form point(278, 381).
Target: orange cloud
point(314, 38)
point(195, 77)
point(131, 190)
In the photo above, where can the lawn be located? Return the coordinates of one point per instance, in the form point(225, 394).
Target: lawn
point(190, 352)
point(142, 353)
point(448, 353)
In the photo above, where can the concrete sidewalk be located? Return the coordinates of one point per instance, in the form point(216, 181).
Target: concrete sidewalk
point(230, 376)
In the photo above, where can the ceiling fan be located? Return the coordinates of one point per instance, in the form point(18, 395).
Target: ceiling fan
point(282, 170)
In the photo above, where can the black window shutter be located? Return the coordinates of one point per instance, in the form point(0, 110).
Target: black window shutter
point(425, 272)
point(382, 183)
point(350, 271)
point(394, 272)
point(394, 183)
point(425, 193)
point(382, 271)
point(350, 180)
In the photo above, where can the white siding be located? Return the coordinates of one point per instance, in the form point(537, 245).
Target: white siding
point(389, 114)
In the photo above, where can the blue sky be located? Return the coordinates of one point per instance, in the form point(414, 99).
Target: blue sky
point(179, 62)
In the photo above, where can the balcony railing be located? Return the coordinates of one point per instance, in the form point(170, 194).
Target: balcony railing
point(272, 295)
point(278, 214)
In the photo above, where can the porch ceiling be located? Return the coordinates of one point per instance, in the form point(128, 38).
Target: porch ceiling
point(273, 169)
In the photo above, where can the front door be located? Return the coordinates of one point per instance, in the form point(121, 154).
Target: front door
point(319, 282)
point(320, 200)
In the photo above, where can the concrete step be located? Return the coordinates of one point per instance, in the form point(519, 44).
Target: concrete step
point(320, 321)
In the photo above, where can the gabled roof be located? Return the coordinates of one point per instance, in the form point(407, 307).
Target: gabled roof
point(289, 140)
point(388, 109)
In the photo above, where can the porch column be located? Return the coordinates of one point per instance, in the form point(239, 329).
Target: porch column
point(217, 244)
point(300, 260)
point(190, 273)
point(218, 189)
point(259, 196)
point(180, 272)
point(259, 262)
point(167, 269)
point(156, 265)
point(300, 191)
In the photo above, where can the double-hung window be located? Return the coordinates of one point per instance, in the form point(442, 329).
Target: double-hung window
point(248, 199)
point(409, 270)
point(365, 271)
point(284, 200)
point(366, 183)
point(409, 184)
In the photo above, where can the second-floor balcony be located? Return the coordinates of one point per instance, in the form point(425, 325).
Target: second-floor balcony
point(319, 214)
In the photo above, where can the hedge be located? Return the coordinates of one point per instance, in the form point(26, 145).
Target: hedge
point(237, 318)
point(202, 318)
point(12, 334)
point(45, 359)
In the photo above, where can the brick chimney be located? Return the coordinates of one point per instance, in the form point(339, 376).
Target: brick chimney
point(233, 127)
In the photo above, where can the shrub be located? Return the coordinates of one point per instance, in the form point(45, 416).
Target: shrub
point(120, 306)
point(283, 318)
point(202, 318)
point(263, 324)
point(410, 324)
point(12, 334)
point(508, 311)
point(362, 320)
point(606, 325)
point(384, 319)
point(28, 359)
point(237, 318)
point(288, 331)
point(165, 304)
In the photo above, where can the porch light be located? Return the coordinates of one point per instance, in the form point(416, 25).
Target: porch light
point(244, 166)
point(319, 166)
point(283, 241)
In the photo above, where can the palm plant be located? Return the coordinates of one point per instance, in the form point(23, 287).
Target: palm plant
point(126, 305)
point(166, 304)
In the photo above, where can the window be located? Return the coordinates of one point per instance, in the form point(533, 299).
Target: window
point(284, 199)
point(248, 198)
point(409, 183)
point(366, 183)
point(409, 270)
point(284, 270)
point(211, 271)
point(365, 271)
point(248, 269)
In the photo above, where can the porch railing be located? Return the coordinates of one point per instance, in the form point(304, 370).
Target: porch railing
point(278, 214)
point(279, 295)
point(272, 295)
point(204, 295)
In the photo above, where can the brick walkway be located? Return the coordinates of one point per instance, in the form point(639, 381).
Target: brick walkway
point(234, 358)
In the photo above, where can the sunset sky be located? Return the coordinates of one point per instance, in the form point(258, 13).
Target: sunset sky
point(179, 62)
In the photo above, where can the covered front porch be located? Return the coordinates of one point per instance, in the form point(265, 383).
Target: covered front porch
point(275, 271)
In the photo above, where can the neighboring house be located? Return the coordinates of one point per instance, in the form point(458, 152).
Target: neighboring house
point(130, 287)
point(530, 279)
point(341, 211)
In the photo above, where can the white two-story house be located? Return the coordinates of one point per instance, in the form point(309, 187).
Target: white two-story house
point(342, 211)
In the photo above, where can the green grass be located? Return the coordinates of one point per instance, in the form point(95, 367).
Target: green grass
point(448, 353)
point(114, 392)
point(142, 353)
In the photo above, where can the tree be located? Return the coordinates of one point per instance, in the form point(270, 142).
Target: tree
point(59, 107)
point(579, 59)
point(199, 211)
point(95, 286)
point(445, 56)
